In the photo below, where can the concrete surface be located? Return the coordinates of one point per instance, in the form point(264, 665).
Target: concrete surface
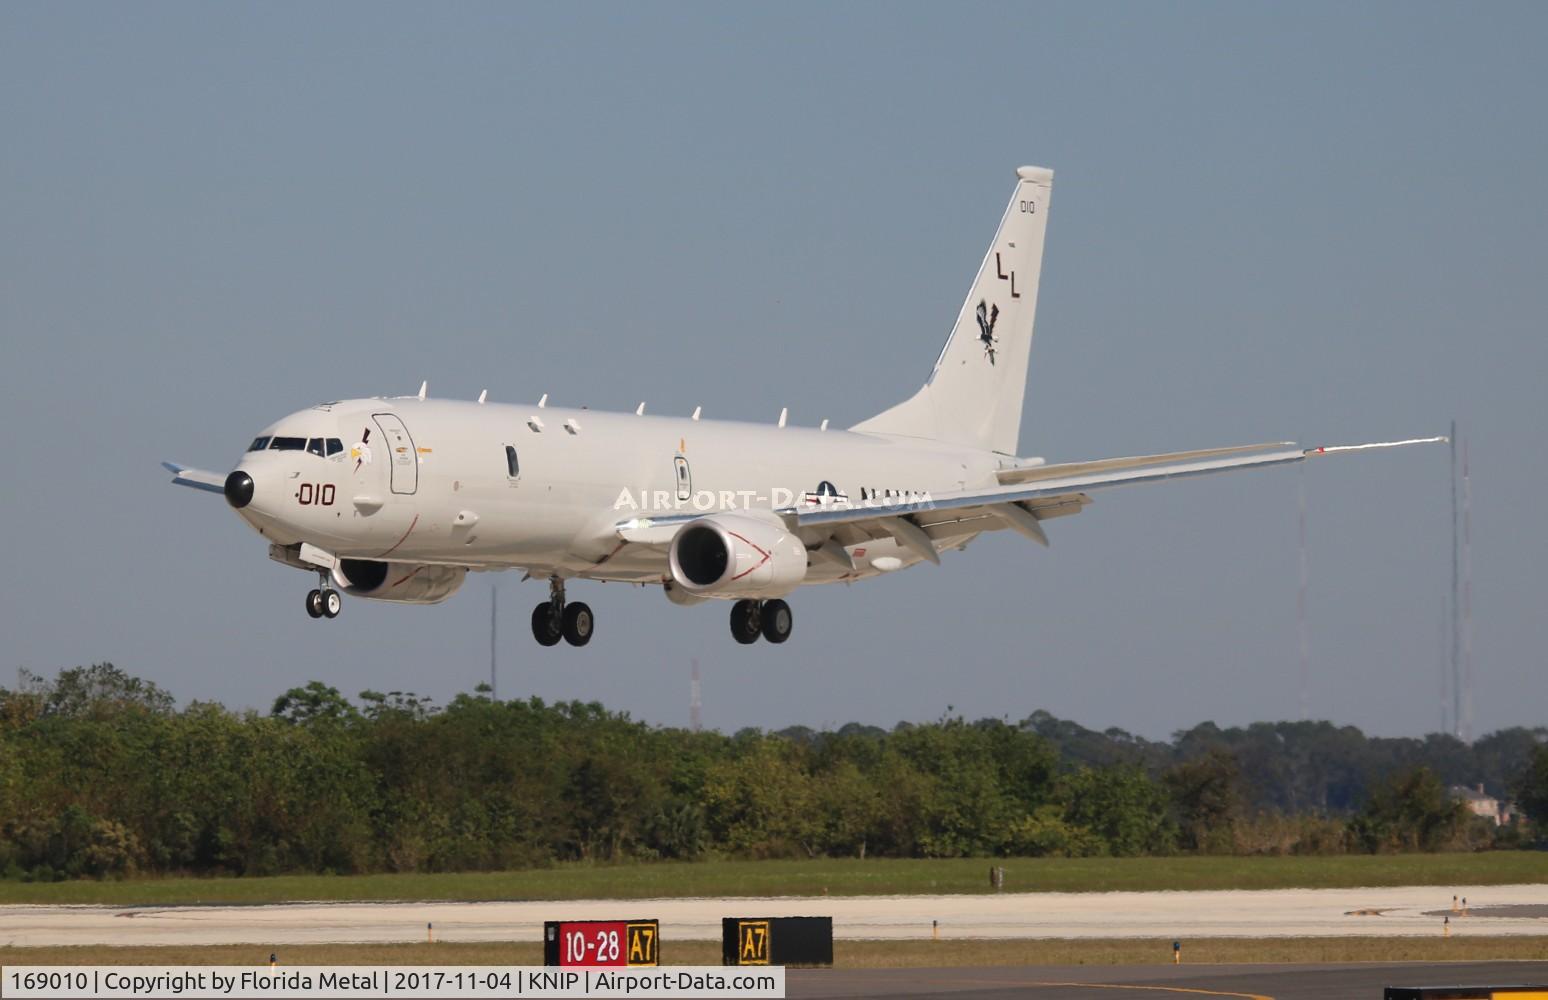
point(1275, 913)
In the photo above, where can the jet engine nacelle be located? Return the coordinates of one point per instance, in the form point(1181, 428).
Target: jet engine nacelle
point(733, 555)
point(402, 583)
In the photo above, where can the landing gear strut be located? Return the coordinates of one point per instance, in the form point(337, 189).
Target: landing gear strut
point(770, 619)
point(554, 619)
point(324, 602)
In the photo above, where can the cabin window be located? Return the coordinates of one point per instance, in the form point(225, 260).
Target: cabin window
point(512, 467)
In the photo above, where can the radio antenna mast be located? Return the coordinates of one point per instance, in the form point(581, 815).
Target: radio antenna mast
point(1456, 602)
point(1301, 608)
point(694, 704)
point(1445, 670)
point(1467, 600)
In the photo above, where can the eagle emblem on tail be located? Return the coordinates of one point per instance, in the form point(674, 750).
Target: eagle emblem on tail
point(987, 316)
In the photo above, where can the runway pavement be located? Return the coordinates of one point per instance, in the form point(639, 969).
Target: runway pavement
point(1269, 982)
point(1277, 913)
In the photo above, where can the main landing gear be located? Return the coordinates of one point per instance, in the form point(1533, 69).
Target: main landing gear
point(770, 619)
point(324, 602)
point(554, 619)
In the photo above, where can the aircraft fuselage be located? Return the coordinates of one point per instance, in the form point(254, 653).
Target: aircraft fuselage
point(489, 485)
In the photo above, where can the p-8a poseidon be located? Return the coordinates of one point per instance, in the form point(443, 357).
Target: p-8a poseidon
point(396, 499)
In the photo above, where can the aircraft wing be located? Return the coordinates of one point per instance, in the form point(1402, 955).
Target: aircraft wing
point(1029, 473)
point(1022, 506)
point(1049, 491)
point(199, 479)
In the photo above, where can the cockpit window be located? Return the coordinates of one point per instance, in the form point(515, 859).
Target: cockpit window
point(321, 447)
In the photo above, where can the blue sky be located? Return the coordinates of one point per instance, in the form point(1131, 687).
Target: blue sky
point(1319, 222)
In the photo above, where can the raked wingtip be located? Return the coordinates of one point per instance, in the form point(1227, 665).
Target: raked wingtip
point(1375, 445)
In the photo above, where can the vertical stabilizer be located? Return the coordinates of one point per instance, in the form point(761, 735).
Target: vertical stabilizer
point(974, 395)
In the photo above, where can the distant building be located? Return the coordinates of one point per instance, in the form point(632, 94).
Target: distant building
point(1480, 803)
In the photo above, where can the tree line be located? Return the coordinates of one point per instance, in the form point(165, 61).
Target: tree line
point(101, 775)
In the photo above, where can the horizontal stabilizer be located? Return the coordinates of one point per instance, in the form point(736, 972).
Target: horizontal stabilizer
point(199, 479)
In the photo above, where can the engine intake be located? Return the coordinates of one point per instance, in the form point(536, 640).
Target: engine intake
point(733, 555)
point(402, 583)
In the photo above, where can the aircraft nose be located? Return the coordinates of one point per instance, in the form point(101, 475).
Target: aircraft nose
point(239, 489)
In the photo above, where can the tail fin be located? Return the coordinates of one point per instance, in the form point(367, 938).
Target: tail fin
point(973, 397)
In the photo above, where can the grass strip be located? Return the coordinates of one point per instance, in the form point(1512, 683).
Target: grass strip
point(846, 954)
point(837, 877)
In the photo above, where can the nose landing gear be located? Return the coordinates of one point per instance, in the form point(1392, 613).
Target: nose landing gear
point(554, 619)
point(770, 619)
point(324, 602)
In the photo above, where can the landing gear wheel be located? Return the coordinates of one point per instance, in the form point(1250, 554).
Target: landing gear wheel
point(332, 603)
point(777, 621)
point(543, 625)
point(577, 623)
point(314, 603)
point(745, 619)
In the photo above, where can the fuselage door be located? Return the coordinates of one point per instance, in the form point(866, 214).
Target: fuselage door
point(684, 480)
point(401, 456)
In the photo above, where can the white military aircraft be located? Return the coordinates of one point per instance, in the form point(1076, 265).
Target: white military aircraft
point(395, 499)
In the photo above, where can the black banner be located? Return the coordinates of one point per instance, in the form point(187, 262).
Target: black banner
point(1457, 992)
point(776, 941)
